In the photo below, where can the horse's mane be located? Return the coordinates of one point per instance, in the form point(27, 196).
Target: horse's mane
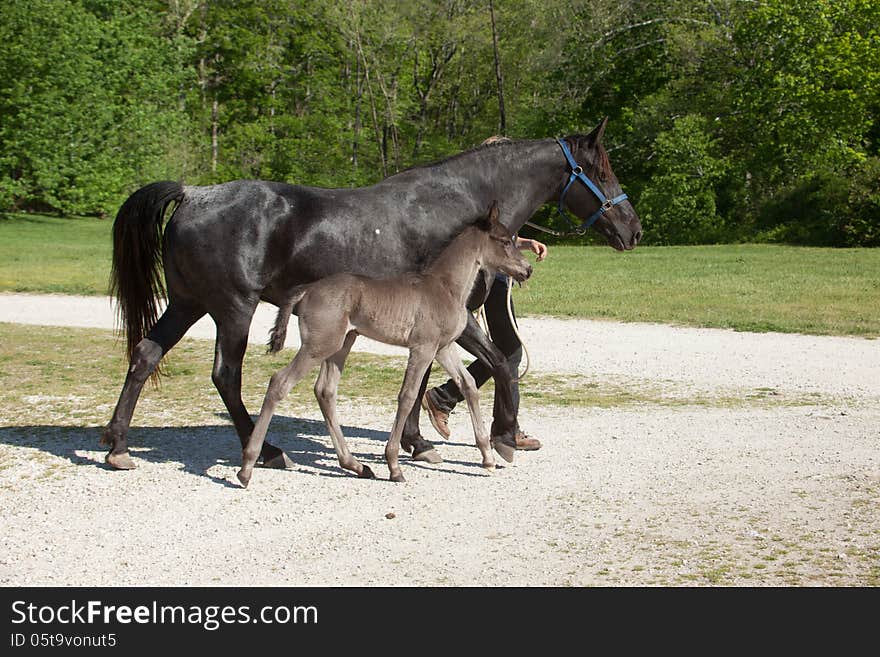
point(602, 165)
point(598, 164)
point(488, 144)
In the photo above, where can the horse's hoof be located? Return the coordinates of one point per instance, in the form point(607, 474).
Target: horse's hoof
point(121, 461)
point(397, 477)
point(279, 462)
point(504, 450)
point(489, 468)
point(244, 477)
point(428, 456)
point(366, 473)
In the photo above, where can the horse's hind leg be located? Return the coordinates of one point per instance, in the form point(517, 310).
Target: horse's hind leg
point(229, 350)
point(279, 386)
point(167, 331)
point(465, 382)
point(325, 391)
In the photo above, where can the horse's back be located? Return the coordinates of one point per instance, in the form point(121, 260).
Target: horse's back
point(235, 235)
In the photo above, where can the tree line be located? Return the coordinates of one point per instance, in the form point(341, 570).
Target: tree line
point(730, 119)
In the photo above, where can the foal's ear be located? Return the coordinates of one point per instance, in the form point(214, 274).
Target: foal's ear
point(492, 217)
point(595, 136)
point(490, 220)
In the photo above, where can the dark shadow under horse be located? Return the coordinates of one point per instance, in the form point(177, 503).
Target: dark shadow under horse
point(228, 246)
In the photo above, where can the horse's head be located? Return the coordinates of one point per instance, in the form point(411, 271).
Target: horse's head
point(606, 207)
point(499, 252)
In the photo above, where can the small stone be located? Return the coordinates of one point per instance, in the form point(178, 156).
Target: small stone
point(390, 515)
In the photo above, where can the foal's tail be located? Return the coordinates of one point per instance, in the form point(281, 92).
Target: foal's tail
point(136, 271)
point(279, 332)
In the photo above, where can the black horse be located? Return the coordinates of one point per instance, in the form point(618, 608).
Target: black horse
point(228, 246)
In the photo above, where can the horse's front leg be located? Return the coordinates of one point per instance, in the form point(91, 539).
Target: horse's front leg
point(504, 423)
point(465, 382)
point(419, 360)
point(412, 440)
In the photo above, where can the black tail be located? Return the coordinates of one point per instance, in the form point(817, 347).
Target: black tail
point(136, 272)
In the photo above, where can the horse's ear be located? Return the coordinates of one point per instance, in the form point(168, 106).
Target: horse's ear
point(595, 137)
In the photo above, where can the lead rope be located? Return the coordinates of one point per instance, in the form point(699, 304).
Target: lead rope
point(482, 321)
point(520, 377)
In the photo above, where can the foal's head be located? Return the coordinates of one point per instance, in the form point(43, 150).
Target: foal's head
point(498, 250)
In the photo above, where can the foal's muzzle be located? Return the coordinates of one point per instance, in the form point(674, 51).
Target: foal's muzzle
point(520, 274)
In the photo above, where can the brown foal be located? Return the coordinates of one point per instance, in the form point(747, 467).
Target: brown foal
point(424, 312)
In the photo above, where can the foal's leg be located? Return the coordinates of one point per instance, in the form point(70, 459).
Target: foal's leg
point(232, 335)
point(475, 340)
point(465, 382)
point(419, 360)
point(166, 333)
point(412, 440)
point(325, 391)
point(280, 385)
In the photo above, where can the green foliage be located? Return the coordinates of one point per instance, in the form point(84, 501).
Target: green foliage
point(677, 206)
point(828, 209)
point(83, 104)
point(729, 119)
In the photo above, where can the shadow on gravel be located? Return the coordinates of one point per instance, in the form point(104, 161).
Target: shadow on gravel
point(199, 448)
point(195, 448)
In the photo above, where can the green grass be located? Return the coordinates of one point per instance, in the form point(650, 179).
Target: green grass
point(51, 254)
point(745, 287)
point(76, 374)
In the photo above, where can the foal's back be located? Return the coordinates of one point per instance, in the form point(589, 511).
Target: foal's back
point(392, 310)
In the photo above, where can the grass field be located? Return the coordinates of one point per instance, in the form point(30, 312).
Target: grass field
point(745, 287)
point(64, 374)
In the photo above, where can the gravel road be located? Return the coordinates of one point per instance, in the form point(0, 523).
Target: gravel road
point(772, 477)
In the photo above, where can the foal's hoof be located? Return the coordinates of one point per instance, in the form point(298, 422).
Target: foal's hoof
point(397, 477)
point(279, 462)
point(244, 477)
point(504, 450)
point(366, 473)
point(428, 456)
point(121, 461)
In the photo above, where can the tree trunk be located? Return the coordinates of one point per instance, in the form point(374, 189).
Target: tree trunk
point(359, 92)
point(215, 111)
point(376, 129)
point(499, 77)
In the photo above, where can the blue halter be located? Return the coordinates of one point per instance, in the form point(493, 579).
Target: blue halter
point(577, 173)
